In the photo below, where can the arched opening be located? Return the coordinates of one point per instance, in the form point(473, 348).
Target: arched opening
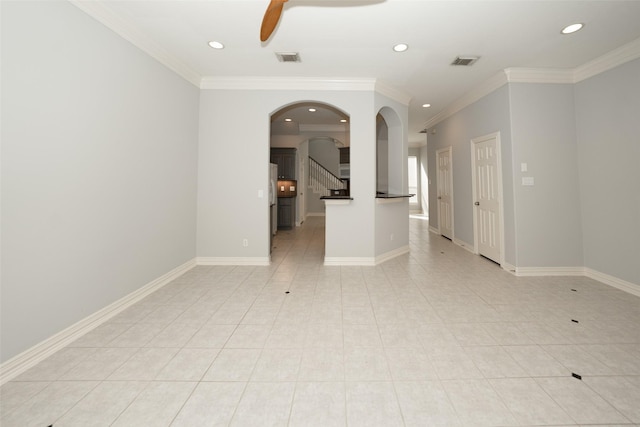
point(310, 144)
point(392, 206)
point(390, 156)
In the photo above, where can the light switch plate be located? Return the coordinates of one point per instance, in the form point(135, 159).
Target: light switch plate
point(282, 188)
point(523, 167)
point(527, 180)
point(292, 188)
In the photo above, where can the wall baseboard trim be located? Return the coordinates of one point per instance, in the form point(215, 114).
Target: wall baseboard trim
point(350, 261)
point(366, 261)
point(315, 214)
point(623, 285)
point(509, 268)
point(34, 355)
point(434, 230)
point(260, 261)
point(549, 271)
point(463, 245)
point(392, 254)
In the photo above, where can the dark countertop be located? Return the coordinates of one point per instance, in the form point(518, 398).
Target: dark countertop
point(392, 196)
point(336, 198)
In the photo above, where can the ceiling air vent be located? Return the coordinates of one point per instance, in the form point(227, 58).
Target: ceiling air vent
point(465, 61)
point(288, 56)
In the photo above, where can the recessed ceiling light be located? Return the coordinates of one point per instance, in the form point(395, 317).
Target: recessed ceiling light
point(313, 110)
point(216, 45)
point(343, 120)
point(572, 28)
point(288, 120)
point(401, 47)
point(426, 105)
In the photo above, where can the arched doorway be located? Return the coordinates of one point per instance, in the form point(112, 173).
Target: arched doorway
point(316, 136)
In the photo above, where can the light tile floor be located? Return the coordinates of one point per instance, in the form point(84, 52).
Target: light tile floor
point(439, 337)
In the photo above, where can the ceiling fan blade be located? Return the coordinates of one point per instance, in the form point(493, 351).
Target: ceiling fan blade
point(271, 18)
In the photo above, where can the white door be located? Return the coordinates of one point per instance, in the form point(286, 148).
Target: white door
point(487, 196)
point(445, 192)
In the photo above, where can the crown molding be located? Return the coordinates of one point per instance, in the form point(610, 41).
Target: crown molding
point(102, 14)
point(286, 83)
point(540, 75)
point(616, 57)
point(117, 24)
point(484, 89)
point(304, 83)
point(393, 93)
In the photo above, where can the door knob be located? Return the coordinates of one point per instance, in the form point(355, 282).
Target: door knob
point(477, 203)
point(439, 197)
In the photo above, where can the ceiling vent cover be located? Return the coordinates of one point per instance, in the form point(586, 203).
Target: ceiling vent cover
point(288, 56)
point(465, 61)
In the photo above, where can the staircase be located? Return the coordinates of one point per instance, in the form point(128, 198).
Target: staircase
point(321, 180)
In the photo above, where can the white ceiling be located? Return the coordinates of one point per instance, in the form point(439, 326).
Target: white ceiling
point(354, 39)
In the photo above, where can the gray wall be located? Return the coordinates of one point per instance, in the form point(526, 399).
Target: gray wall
point(543, 132)
point(227, 214)
point(424, 178)
point(485, 116)
point(382, 156)
point(581, 145)
point(415, 151)
point(326, 153)
point(608, 124)
point(99, 147)
point(392, 219)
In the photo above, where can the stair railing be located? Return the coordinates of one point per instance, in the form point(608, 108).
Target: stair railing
point(322, 180)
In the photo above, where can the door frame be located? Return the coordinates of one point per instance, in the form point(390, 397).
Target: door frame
point(496, 136)
point(302, 186)
point(448, 149)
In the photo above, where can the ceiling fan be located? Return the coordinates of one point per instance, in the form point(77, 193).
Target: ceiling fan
point(274, 11)
point(271, 18)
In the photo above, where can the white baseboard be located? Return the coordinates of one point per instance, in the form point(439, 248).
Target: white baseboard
point(607, 279)
point(365, 261)
point(351, 261)
point(34, 355)
point(623, 285)
point(549, 271)
point(463, 245)
point(392, 254)
point(315, 214)
point(508, 267)
point(434, 230)
point(261, 261)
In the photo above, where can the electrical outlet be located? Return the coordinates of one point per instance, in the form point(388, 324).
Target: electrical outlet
point(245, 242)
